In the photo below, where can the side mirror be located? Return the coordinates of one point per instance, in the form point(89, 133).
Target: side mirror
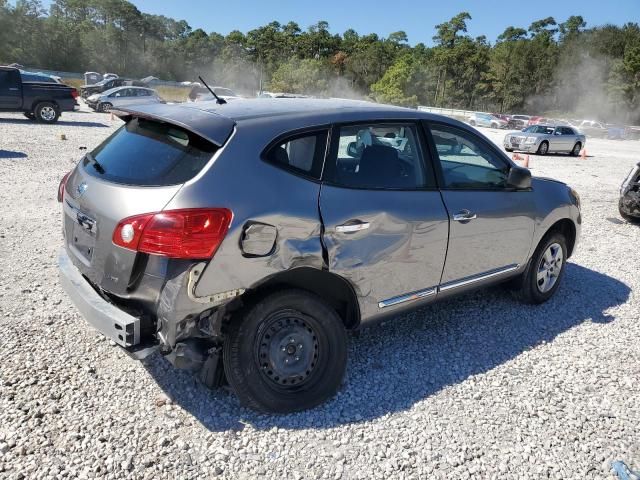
point(519, 178)
point(352, 150)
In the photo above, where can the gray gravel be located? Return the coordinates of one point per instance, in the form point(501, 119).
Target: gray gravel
point(478, 387)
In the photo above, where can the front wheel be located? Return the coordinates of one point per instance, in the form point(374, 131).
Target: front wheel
point(105, 107)
point(46, 112)
point(546, 268)
point(508, 149)
point(576, 149)
point(288, 353)
point(472, 123)
point(543, 149)
point(625, 215)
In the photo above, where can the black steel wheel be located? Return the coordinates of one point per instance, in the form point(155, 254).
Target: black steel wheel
point(287, 353)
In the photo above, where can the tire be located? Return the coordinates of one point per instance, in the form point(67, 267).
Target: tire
point(543, 148)
point(626, 216)
point(46, 112)
point(576, 149)
point(287, 353)
point(29, 115)
point(494, 125)
point(532, 287)
point(472, 123)
point(104, 107)
point(509, 149)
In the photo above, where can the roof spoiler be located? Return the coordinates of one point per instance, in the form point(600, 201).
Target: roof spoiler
point(208, 125)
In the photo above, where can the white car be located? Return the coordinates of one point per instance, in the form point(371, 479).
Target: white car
point(200, 94)
point(486, 120)
point(122, 97)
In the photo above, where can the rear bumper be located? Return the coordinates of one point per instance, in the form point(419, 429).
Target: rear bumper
point(119, 326)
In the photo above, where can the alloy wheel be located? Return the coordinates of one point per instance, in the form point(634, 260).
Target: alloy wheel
point(47, 113)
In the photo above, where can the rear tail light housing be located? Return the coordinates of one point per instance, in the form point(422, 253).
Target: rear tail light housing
point(187, 233)
point(62, 186)
point(74, 93)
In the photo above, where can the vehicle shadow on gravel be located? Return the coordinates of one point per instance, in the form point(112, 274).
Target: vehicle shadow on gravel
point(64, 123)
point(12, 154)
point(407, 359)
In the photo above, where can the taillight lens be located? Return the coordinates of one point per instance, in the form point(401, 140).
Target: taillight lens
point(189, 233)
point(62, 185)
point(74, 93)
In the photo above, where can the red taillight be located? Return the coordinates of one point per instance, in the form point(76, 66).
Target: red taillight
point(190, 233)
point(74, 93)
point(62, 185)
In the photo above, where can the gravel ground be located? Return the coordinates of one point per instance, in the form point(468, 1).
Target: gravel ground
point(477, 387)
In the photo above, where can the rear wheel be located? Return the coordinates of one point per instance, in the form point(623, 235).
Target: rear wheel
point(46, 112)
point(626, 216)
point(509, 149)
point(494, 125)
point(546, 268)
point(543, 149)
point(576, 149)
point(105, 107)
point(288, 353)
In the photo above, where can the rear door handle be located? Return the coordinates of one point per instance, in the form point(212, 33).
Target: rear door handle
point(464, 216)
point(351, 226)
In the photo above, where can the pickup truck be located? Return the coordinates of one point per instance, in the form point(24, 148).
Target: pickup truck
point(39, 101)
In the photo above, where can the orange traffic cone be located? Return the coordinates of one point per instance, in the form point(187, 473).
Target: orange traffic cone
point(526, 161)
point(111, 118)
point(583, 154)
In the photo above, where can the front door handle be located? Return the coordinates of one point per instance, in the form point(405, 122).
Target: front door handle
point(464, 216)
point(352, 226)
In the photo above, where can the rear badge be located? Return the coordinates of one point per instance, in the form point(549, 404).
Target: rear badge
point(81, 189)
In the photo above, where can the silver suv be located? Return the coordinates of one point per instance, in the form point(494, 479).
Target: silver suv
point(246, 239)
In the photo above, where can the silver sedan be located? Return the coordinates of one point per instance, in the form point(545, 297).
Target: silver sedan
point(122, 97)
point(543, 139)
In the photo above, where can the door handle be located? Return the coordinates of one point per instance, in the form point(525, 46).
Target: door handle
point(351, 227)
point(464, 216)
point(13, 89)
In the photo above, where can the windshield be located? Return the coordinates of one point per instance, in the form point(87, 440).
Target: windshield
point(147, 153)
point(539, 129)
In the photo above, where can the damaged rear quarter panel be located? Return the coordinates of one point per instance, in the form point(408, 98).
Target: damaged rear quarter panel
point(256, 192)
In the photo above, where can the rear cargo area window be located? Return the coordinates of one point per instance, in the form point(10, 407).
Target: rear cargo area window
point(148, 153)
point(302, 154)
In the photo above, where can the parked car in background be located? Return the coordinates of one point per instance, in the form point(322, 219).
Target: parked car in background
point(122, 97)
point(281, 95)
point(502, 116)
point(593, 128)
point(199, 94)
point(629, 202)
point(39, 77)
point(543, 139)
point(537, 120)
point(250, 236)
point(108, 84)
point(109, 76)
point(41, 101)
point(518, 122)
point(486, 120)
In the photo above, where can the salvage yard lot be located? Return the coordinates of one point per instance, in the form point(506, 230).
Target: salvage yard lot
point(480, 386)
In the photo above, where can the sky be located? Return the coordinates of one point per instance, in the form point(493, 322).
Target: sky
point(417, 17)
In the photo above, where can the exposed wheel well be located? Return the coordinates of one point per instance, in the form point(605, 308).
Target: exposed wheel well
point(333, 289)
point(568, 229)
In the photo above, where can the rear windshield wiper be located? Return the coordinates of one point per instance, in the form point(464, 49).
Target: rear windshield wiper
point(96, 164)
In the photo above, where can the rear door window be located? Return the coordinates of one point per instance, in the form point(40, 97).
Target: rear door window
point(378, 156)
point(147, 153)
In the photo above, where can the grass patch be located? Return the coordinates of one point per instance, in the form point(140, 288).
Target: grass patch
point(73, 82)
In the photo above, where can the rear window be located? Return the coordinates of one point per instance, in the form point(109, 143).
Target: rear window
point(148, 153)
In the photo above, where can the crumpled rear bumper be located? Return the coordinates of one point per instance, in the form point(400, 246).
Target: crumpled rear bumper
point(112, 322)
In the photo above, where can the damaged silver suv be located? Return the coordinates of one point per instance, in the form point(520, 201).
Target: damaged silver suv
point(244, 240)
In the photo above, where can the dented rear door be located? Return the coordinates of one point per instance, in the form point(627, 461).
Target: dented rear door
point(385, 230)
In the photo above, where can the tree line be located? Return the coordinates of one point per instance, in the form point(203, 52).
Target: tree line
point(546, 67)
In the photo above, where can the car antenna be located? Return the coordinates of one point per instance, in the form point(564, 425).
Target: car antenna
point(219, 101)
